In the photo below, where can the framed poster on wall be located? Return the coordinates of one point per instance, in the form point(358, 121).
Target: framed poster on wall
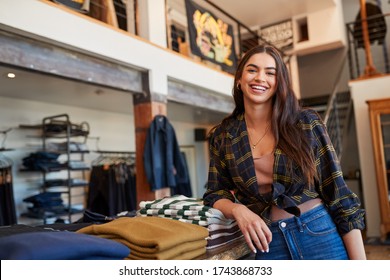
point(210, 37)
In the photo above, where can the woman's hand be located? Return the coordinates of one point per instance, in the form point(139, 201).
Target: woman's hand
point(254, 229)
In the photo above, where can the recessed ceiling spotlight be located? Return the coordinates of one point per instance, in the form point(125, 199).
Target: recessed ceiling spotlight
point(11, 75)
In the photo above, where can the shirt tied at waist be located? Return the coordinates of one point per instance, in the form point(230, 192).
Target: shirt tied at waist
point(284, 201)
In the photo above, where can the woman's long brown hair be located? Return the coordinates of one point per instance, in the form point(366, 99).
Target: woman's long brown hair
point(288, 134)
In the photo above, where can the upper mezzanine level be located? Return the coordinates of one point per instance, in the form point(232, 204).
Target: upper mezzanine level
point(150, 51)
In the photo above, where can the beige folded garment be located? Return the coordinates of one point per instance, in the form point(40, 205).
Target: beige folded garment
point(184, 256)
point(169, 254)
point(152, 234)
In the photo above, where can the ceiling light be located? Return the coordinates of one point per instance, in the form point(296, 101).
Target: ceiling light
point(11, 75)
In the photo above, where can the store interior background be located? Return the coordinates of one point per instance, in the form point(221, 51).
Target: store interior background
point(31, 96)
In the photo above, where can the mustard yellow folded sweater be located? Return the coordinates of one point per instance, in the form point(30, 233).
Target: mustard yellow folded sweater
point(185, 255)
point(167, 254)
point(152, 236)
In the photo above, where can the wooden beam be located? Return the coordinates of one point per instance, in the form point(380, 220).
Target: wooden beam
point(40, 56)
point(369, 70)
point(199, 97)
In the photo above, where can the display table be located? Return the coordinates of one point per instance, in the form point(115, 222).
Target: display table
point(237, 249)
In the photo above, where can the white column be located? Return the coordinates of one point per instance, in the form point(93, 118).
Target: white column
point(152, 24)
point(294, 74)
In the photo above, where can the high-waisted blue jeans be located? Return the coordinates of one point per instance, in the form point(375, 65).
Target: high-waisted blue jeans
point(312, 236)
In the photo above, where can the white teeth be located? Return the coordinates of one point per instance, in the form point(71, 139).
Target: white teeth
point(259, 87)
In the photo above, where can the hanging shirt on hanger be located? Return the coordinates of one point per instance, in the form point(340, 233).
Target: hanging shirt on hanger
point(163, 162)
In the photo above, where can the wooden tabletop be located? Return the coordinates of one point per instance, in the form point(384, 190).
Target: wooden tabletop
point(234, 250)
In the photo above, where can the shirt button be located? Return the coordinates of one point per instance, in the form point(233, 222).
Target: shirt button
point(283, 224)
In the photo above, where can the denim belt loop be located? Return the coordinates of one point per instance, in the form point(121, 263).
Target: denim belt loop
point(299, 223)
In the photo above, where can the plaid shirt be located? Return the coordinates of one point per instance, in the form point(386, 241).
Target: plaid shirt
point(232, 175)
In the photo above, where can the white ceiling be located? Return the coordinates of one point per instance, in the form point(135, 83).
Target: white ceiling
point(51, 89)
point(263, 12)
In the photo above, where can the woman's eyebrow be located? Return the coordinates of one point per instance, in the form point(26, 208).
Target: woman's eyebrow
point(252, 65)
point(257, 67)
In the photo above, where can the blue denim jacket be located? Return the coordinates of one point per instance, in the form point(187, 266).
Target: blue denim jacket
point(163, 162)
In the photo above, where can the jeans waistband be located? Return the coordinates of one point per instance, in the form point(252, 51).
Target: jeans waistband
point(306, 217)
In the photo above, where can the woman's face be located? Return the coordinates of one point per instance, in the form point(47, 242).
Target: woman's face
point(258, 80)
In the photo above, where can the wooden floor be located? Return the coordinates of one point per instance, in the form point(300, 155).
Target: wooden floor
point(377, 252)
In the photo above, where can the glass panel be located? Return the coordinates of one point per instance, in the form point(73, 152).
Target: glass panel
point(385, 125)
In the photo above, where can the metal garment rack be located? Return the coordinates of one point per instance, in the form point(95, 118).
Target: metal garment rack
point(60, 127)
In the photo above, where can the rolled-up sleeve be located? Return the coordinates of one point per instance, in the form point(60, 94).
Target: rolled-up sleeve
point(344, 205)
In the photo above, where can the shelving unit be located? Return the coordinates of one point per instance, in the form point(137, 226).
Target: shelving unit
point(380, 129)
point(65, 142)
point(7, 201)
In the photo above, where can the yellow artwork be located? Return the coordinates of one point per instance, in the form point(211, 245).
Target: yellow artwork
point(212, 37)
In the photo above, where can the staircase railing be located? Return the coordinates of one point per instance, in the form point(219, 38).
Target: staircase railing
point(337, 122)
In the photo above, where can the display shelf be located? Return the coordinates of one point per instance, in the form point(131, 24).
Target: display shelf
point(62, 141)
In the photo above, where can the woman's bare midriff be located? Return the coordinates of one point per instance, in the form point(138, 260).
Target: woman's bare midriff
point(279, 214)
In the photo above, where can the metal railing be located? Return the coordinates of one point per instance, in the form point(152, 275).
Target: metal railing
point(123, 15)
point(332, 114)
point(379, 45)
point(339, 107)
point(117, 13)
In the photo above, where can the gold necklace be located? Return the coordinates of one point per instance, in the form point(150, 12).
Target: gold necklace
point(261, 138)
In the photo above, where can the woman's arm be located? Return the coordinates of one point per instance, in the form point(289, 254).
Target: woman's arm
point(353, 242)
point(256, 232)
point(343, 204)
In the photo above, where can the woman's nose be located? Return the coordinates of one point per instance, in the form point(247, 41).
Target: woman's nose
point(260, 77)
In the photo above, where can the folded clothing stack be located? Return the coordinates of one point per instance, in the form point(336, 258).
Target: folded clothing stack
point(154, 238)
point(65, 146)
point(222, 234)
point(40, 244)
point(43, 161)
point(193, 211)
point(45, 205)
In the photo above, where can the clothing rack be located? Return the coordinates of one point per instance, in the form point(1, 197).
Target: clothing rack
point(5, 162)
point(112, 187)
point(7, 201)
point(113, 157)
point(114, 152)
point(4, 133)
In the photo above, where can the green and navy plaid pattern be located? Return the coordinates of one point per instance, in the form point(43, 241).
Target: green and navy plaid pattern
point(232, 171)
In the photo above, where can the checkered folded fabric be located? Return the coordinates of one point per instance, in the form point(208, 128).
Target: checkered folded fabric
point(184, 209)
point(178, 202)
point(192, 210)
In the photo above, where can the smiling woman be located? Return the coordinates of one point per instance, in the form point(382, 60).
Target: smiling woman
point(292, 203)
